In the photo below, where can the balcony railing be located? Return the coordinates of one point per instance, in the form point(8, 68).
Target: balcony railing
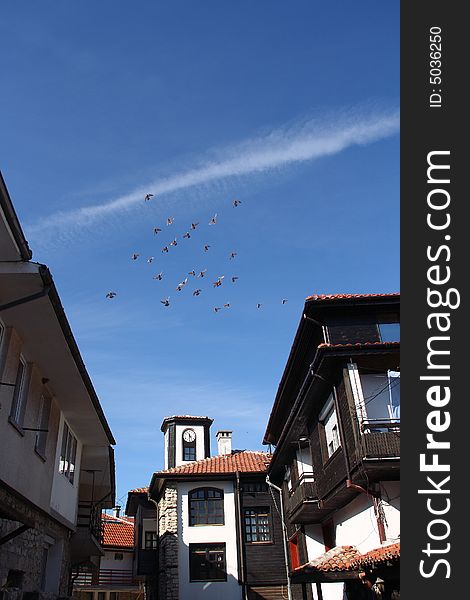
point(89, 517)
point(304, 489)
point(105, 578)
point(380, 438)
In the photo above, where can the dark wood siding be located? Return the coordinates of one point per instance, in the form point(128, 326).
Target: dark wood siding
point(264, 562)
point(353, 333)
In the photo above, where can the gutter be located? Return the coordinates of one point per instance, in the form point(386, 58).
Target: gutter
point(241, 546)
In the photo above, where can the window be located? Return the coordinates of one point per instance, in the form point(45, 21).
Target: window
point(18, 405)
point(257, 524)
point(207, 562)
point(118, 556)
point(42, 424)
point(257, 487)
point(68, 454)
point(381, 395)
point(330, 423)
point(389, 332)
point(189, 445)
point(206, 507)
point(150, 540)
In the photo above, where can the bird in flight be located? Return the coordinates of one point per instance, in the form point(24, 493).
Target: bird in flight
point(258, 305)
point(181, 285)
point(284, 301)
point(135, 256)
point(158, 276)
point(165, 249)
point(194, 225)
point(217, 308)
point(156, 230)
point(110, 294)
point(193, 273)
point(197, 292)
point(148, 196)
point(187, 235)
point(150, 259)
point(166, 301)
point(232, 255)
point(234, 278)
point(218, 282)
point(201, 273)
point(227, 305)
point(170, 220)
point(174, 243)
point(237, 202)
point(213, 221)
point(206, 247)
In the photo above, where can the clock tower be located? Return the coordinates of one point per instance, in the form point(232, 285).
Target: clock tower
point(187, 438)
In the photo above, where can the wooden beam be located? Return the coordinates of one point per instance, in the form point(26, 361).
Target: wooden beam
point(9, 536)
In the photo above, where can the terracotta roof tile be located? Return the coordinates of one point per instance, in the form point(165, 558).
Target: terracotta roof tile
point(141, 490)
point(360, 345)
point(245, 461)
point(322, 297)
point(118, 531)
point(348, 558)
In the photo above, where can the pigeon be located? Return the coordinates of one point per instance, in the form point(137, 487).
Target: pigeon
point(158, 276)
point(237, 202)
point(194, 225)
point(218, 282)
point(169, 221)
point(197, 292)
point(174, 243)
point(135, 256)
point(227, 305)
point(187, 235)
point(258, 305)
point(110, 294)
point(193, 273)
point(206, 247)
point(166, 302)
point(234, 278)
point(181, 285)
point(284, 301)
point(201, 273)
point(213, 221)
point(165, 249)
point(148, 196)
point(232, 255)
point(217, 308)
point(156, 230)
point(150, 259)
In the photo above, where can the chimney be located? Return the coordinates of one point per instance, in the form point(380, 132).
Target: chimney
point(117, 511)
point(224, 442)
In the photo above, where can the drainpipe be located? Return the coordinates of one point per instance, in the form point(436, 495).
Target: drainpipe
point(284, 536)
point(239, 533)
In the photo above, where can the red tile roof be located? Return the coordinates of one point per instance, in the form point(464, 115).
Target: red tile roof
point(360, 345)
point(118, 531)
point(348, 558)
point(141, 490)
point(321, 297)
point(245, 461)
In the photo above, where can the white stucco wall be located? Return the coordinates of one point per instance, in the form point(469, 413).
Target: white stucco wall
point(226, 590)
point(199, 431)
point(64, 496)
point(108, 561)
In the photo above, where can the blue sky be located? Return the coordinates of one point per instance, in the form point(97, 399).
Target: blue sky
point(290, 107)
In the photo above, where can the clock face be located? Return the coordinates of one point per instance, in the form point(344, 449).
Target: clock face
point(189, 435)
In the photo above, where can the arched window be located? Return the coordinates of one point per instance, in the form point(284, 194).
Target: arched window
point(206, 507)
point(189, 445)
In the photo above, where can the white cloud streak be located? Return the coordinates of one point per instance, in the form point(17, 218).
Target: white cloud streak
point(281, 148)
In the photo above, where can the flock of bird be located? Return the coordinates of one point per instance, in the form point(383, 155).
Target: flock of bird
point(198, 275)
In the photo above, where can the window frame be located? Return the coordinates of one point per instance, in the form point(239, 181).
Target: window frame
point(189, 446)
point(331, 432)
point(68, 453)
point(192, 500)
point(150, 539)
point(259, 511)
point(20, 394)
point(207, 548)
point(43, 423)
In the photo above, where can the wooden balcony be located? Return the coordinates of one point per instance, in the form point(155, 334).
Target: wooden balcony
point(88, 538)
point(380, 448)
point(302, 501)
point(105, 578)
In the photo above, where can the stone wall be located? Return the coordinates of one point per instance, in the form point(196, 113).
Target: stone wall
point(26, 552)
point(168, 543)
